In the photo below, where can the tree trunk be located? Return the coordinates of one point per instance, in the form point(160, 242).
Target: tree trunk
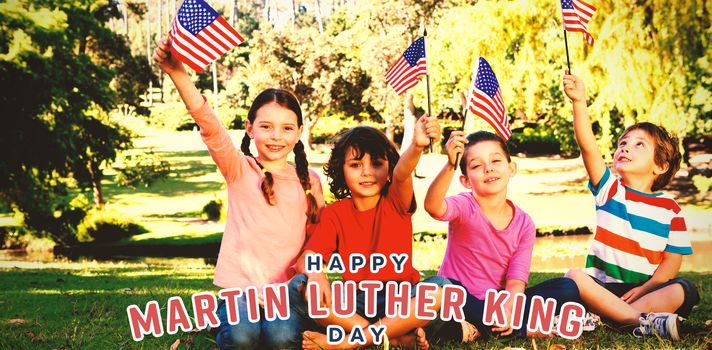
point(159, 33)
point(148, 34)
point(294, 14)
point(126, 18)
point(215, 88)
point(159, 28)
point(233, 17)
point(318, 17)
point(96, 175)
point(306, 137)
point(268, 11)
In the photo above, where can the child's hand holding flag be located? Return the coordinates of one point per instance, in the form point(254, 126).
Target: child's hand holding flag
point(200, 35)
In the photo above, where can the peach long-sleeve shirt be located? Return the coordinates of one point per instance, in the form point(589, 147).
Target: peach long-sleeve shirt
point(261, 242)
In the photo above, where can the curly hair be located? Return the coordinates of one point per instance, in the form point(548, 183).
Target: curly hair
point(363, 140)
point(287, 100)
point(667, 151)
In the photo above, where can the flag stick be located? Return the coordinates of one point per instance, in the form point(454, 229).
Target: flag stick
point(566, 43)
point(427, 81)
point(464, 118)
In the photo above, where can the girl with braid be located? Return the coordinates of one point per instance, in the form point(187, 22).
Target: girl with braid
point(270, 202)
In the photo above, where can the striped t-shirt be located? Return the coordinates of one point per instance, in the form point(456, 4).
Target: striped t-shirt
point(633, 229)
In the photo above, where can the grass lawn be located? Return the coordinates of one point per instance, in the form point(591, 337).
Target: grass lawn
point(83, 306)
point(551, 190)
point(63, 305)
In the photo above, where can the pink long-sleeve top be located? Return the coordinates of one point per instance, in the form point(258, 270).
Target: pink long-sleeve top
point(480, 256)
point(261, 242)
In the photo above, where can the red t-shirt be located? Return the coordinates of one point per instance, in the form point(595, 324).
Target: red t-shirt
point(385, 229)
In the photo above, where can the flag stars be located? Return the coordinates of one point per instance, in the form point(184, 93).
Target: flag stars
point(195, 15)
point(415, 52)
point(486, 80)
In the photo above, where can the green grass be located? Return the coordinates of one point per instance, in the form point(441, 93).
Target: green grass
point(83, 306)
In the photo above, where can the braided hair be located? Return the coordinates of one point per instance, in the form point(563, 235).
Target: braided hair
point(287, 100)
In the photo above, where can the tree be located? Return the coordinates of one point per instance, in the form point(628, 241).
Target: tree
point(320, 70)
point(56, 133)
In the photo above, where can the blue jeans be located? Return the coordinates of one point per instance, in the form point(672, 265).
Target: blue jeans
point(561, 289)
point(263, 334)
point(299, 306)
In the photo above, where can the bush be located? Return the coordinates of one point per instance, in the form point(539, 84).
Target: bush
point(103, 226)
point(237, 124)
point(170, 116)
point(136, 168)
point(14, 237)
point(213, 210)
point(534, 140)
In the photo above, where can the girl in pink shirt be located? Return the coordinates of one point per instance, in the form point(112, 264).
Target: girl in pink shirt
point(269, 202)
point(490, 240)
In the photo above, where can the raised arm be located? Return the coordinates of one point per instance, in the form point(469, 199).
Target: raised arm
point(213, 132)
point(426, 128)
point(435, 198)
point(592, 159)
point(174, 68)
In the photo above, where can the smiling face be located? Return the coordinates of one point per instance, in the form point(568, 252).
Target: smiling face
point(275, 131)
point(365, 177)
point(635, 155)
point(488, 170)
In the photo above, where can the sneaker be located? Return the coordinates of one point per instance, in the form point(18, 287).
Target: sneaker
point(663, 324)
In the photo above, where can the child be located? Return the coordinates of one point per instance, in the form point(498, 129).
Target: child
point(373, 215)
point(490, 240)
point(269, 202)
point(640, 234)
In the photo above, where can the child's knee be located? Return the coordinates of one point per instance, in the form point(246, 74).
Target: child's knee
point(575, 274)
point(690, 296)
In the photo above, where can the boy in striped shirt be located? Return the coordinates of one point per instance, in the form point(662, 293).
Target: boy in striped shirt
point(640, 233)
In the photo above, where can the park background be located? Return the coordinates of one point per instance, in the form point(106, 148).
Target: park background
point(109, 198)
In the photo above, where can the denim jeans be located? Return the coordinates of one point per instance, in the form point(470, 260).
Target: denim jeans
point(263, 334)
point(561, 289)
point(299, 306)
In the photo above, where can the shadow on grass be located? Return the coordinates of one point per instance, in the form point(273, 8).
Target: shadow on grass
point(562, 169)
point(186, 167)
point(179, 214)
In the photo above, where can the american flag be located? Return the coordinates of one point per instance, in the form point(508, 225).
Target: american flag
point(576, 15)
point(200, 35)
point(485, 99)
point(404, 74)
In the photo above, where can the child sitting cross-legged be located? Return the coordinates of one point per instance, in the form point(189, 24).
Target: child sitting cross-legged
point(490, 239)
point(372, 216)
point(641, 236)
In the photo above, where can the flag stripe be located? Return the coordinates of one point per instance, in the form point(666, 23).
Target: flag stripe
point(485, 99)
point(404, 73)
point(200, 35)
point(576, 15)
point(209, 52)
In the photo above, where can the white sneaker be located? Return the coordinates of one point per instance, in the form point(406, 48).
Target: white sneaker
point(664, 324)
